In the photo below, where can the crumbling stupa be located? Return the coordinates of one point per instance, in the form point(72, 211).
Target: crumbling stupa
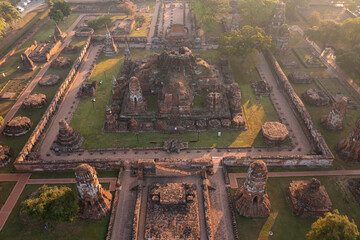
point(334, 121)
point(26, 63)
point(251, 199)
point(35, 101)
point(18, 126)
point(58, 34)
point(110, 48)
point(68, 139)
point(5, 155)
point(274, 133)
point(94, 201)
point(308, 198)
point(349, 148)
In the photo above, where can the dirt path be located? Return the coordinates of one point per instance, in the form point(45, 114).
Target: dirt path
point(40, 74)
point(234, 176)
point(69, 105)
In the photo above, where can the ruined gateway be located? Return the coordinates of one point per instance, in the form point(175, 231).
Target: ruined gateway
point(173, 91)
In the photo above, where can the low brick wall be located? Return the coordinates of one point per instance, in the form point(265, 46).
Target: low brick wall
point(113, 209)
point(44, 122)
point(136, 219)
point(207, 207)
point(233, 218)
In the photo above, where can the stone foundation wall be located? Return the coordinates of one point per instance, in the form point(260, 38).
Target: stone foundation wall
point(113, 209)
point(207, 207)
point(44, 122)
point(232, 212)
point(136, 219)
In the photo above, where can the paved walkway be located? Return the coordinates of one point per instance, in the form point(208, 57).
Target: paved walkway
point(24, 178)
point(234, 176)
point(70, 33)
point(71, 100)
point(153, 24)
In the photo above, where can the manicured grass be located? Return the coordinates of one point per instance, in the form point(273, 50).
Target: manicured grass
point(15, 228)
point(308, 58)
point(142, 31)
point(5, 190)
point(89, 118)
point(45, 175)
point(286, 225)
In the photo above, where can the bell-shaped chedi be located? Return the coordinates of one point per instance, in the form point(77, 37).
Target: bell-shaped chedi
point(349, 148)
point(58, 34)
point(251, 199)
point(308, 198)
point(68, 139)
point(334, 121)
point(26, 63)
point(5, 155)
point(18, 126)
point(94, 201)
point(110, 48)
point(274, 133)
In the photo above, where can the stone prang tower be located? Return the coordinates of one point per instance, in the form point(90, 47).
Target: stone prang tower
point(251, 200)
point(94, 201)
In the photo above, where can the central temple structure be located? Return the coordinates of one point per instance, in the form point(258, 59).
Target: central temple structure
point(171, 91)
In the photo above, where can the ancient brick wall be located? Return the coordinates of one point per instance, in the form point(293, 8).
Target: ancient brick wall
point(207, 209)
point(51, 110)
point(136, 219)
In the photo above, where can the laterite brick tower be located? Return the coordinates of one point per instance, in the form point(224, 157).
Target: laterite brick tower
point(94, 201)
point(251, 200)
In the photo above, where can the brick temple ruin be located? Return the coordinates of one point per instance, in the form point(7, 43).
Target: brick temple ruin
point(173, 81)
point(94, 201)
point(349, 148)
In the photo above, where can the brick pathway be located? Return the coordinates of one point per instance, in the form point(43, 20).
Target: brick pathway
point(234, 176)
point(24, 178)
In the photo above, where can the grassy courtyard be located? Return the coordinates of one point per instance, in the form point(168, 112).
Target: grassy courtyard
point(286, 225)
point(5, 190)
point(16, 228)
point(89, 118)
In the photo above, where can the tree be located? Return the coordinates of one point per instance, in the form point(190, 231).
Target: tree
point(50, 3)
point(59, 6)
point(128, 7)
point(56, 15)
point(2, 27)
point(315, 18)
point(99, 22)
point(140, 19)
point(291, 6)
point(243, 41)
point(1, 120)
point(333, 226)
point(256, 12)
point(8, 12)
point(350, 29)
point(51, 204)
point(209, 12)
point(327, 32)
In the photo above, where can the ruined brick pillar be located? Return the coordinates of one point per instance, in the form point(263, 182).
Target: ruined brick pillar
point(251, 199)
point(94, 201)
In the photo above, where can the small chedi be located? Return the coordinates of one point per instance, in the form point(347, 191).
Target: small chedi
point(349, 148)
point(68, 139)
point(58, 34)
point(61, 63)
point(316, 97)
point(26, 63)
point(274, 133)
point(175, 146)
point(5, 155)
point(88, 89)
point(110, 48)
point(173, 91)
point(18, 126)
point(35, 101)
point(300, 77)
point(70, 49)
point(334, 121)
point(261, 88)
point(308, 198)
point(172, 212)
point(94, 201)
point(49, 80)
point(251, 199)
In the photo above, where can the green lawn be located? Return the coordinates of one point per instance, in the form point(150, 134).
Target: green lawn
point(17, 143)
point(286, 225)
point(89, 118)
point(15, 228)
point(5, 190)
